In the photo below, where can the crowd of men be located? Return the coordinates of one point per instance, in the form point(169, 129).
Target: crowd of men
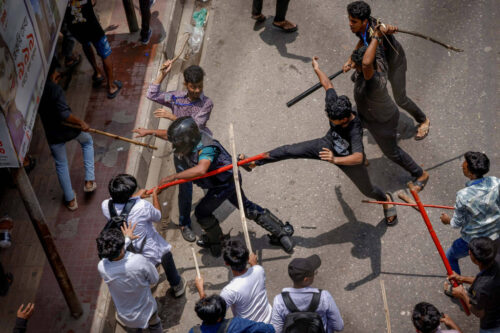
point(131, 249)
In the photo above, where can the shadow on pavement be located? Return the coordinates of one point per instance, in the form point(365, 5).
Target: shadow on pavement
point(366, 240)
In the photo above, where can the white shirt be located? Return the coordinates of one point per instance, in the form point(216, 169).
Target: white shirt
point(246, 295)
point(128, 280)
point(144, 214)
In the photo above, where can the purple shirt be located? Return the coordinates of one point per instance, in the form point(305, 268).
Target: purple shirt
point(199, 109)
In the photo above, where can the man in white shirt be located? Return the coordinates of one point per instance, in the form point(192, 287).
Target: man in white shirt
point(143, 214)
point(246, 293)
point(128, 276)
point(302, 271)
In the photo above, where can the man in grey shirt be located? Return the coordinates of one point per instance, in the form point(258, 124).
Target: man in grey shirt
point(128, 276)
point(302, 271)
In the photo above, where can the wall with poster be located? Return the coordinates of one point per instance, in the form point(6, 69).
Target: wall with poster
point(28, 36)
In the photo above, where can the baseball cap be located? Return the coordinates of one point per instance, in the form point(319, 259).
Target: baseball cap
point(299, 268)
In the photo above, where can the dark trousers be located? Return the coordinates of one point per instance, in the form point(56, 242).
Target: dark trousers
point(68, 42)
point(145, 17)
point(358, 174)
point(185, 198)
point(281, 8)
point(167, 261)
point(216, 196)
point(385, 134)
point(397, 77)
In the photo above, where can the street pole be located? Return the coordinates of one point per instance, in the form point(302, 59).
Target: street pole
point(42, 230)
point(128, 5)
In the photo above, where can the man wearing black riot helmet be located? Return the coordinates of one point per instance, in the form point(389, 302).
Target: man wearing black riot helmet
point(201, 154)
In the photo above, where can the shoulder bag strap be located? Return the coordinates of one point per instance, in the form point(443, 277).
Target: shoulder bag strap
point(313, 306)
point(288, 302)
point(111, 208)
point(128, 207)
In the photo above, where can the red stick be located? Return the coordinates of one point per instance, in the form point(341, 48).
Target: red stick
point(211, 173)
point(435, 240)
point(405, 204)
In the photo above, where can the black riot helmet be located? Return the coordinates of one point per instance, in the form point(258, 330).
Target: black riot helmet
point(184, 135)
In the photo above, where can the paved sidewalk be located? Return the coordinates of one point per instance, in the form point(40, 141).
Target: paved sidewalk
point(75, 232)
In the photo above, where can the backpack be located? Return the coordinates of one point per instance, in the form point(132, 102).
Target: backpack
point(222, 328)
point(308, 321)
point(116, 221)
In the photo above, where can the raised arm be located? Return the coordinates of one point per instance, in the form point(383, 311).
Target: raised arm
point(142, 132)
point(369, 57)
point(349, 64)
point(323, 78)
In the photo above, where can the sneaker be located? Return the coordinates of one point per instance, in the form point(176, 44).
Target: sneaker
point(188, 234)
point(145, 41)
point(180, 288)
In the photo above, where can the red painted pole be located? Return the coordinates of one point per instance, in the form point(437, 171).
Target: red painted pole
point(405, 204)
point(435, 240)
point(211, 173)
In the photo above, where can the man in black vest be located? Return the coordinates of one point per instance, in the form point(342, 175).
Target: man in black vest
point(201, 154)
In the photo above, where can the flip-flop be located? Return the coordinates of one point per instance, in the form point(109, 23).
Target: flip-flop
point(97, 81)
point(421, 184)
point(74, 62)
point(391, 212)
point(426, 131)
point(259, 18)
point(285, 29)
point(119, 85)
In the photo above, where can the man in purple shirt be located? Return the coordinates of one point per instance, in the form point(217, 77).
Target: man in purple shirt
point(192, 103)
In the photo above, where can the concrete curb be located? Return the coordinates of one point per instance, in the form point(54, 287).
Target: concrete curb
point(139, 160)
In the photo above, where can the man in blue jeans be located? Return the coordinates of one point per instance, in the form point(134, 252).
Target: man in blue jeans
point(53, 111)
point(477, 207)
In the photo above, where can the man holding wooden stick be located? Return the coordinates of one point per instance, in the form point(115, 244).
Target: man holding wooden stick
point(363, 25)
point(199, 153)
point(53, 111)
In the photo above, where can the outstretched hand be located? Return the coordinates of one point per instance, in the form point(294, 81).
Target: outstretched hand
point(141, 132)
point(128, 230)
point(26, 312)
point(315, 63)
point(162, 113)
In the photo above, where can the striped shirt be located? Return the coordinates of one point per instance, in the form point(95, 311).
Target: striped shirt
point(477, 209)
point(182, 106)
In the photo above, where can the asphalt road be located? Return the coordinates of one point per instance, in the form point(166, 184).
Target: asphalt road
point(252, 70)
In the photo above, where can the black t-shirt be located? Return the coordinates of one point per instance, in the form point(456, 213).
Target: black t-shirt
point(82, 22)
point(352, 134)
point(393, 58)
point(484, 294)
point(53, 110)
point(372, 99)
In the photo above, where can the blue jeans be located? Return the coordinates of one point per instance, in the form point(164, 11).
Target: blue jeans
point(459, 249)
point(59, 153)
point(185, 197)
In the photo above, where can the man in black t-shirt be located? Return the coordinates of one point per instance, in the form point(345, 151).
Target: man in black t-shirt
point(85, 27)
point(53, 111)
point(342, 145)
point(377, 110)
point(483, 296)
point(363, 25)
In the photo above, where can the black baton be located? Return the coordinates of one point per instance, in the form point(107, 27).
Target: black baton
point(311, 90)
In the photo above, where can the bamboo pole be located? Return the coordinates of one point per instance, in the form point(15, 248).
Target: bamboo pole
point(418, 34)
point(405, 204)
point(111, 135)
point(386, 307)
point(196, 263)
point(238, 189)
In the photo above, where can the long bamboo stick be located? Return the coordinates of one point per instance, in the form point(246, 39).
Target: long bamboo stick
point(386, 307)
point(196, 263)
point(405, 204)
point(238, 189)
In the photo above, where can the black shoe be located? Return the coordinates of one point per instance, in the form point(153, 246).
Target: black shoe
point(215, 248)
point(188, 234)
point(284, 241)
point(203, 242)
point(145, 40)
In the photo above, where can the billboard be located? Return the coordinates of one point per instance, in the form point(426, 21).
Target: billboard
point(28, 36)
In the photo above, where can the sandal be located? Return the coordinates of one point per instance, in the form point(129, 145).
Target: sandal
point(97, 80)
point(282, 28)
point(246, 167)
point(421, 183)
point(425, 129)
point(391, 212)
point(448, 289)
point(119, 85)
point(259, 18)
point(73, 61)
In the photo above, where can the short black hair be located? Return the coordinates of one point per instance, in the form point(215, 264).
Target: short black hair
point(193, 74)
point(357, 55)
point(54, 66)
point(210, 309)
point(477, 163)
point(122, 187)
point(338, 108)
point(483, 249)
point(110, 243)
point(426, 317)
point(235, 254)
point(359, 9)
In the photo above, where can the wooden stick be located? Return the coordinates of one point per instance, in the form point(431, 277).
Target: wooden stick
point(111, 135)
point(404, 204)
point(238, 189)
point(386, 307)
point(178, 55)
point(196, 264)
point(418, 34)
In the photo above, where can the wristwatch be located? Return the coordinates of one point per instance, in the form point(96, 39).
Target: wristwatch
point(377, 38)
